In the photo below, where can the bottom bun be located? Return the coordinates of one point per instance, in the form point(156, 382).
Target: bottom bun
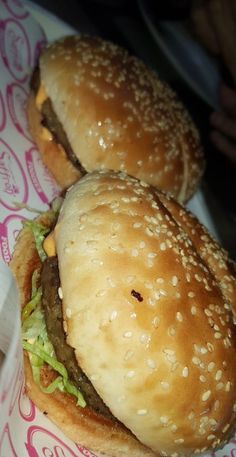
point(53, 154)
point(81, 425)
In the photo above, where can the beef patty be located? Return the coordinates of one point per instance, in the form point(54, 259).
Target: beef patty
point(52, 307)
point(52, 123)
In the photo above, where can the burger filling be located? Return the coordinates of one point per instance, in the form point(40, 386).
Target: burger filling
point(52, 306)
point(43, 333)
point(50, 121)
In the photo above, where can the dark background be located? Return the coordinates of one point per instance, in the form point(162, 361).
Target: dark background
point(122, 22)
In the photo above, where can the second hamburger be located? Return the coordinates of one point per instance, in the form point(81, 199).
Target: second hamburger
point(94, 106)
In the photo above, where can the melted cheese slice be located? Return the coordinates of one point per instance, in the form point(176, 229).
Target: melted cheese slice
point(40, 97)
point(39, 100)
point(49, 245)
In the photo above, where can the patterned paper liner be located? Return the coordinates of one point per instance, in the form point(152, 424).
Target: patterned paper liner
point(24, 180)
point(25, 431)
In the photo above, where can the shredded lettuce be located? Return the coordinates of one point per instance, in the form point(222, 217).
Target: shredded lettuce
point(61, 382)
point(34, 332)
point(36, 294)
point(35, 341)
point(56, 204)
point(27, 207)
point(39, 231)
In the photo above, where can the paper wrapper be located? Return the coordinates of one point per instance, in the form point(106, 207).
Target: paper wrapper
point(24, 431)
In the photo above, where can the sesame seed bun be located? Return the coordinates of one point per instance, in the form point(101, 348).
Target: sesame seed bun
point(148, 303)
point(117, 115)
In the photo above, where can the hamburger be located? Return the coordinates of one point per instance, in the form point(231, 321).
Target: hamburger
point(93, 106)
point(129, 321)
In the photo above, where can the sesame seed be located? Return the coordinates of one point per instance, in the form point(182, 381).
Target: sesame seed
point(163, 292)
point(149, 231)
point(191, 294)
point(160, 280)
point(148, 285)
point(113, 315)
point(202, 378)
point(151, 363)
point(133, 315)
point(218, 375)
point(216, 327)
point(188, 277)
point(165, 385)
point(164, 419)
point(206, 395)
point(151, 301)
point(210, 366)
point(101, 293)
point(169, 351)
point(228, 386)
point(144, 338)
point(130, 374)
point(210, 347)
point(217, 335)
point(163, 246)
point(151, 255)
point(226, 428)
point(127, 334)
point(130, 279)
point(196, 361)
point(174, 281)
point(208, 312)
point(68, 312)
point(198, 277)
point(179, 317)
point(179, 441)
point(156, 321)
point(111, 282)
point(171, 331)
point(60, 293)
point(94, 377)
point(128, 355)
point(97, 262)
point(142, 412)
point(137, 225)
point(185, 372)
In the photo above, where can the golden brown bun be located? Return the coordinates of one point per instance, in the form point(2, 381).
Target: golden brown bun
point(118, 115)
point(80, 424)
point(148, 298)
point(53, 154)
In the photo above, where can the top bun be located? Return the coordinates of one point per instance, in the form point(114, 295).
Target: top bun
point(118, 115)
point(148, 298)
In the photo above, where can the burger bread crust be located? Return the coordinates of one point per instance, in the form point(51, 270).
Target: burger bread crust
point(81, 425)
point(118, 115)
point(148, 302)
